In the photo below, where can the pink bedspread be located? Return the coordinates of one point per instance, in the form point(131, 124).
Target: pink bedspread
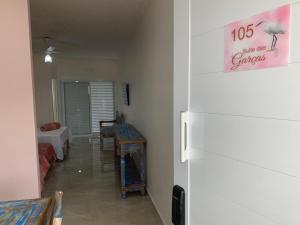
point(47, 158)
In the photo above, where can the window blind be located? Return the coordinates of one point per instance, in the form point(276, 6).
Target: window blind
point(102, 103)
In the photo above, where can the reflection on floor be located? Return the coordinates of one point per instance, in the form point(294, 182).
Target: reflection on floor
point(91, 189)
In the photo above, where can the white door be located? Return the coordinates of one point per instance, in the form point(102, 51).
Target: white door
point(244, 166)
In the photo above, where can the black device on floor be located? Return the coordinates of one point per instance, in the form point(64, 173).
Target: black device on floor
point(178, 206)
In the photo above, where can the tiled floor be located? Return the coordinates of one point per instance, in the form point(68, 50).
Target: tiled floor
point(91, 189)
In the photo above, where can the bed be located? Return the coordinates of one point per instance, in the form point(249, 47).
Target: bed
point(45, 211)
point(59, 139)
point(47, 158)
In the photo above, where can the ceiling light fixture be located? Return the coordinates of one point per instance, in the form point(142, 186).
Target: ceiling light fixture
point(48, 58)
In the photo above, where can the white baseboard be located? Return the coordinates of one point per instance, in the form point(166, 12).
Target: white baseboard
point(155, 206)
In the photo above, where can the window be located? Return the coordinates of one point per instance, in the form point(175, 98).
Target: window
point(102, 103)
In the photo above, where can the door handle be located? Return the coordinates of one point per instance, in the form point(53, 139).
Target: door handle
point(184, 130)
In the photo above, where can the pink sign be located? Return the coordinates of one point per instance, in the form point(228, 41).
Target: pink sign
point(258, 42)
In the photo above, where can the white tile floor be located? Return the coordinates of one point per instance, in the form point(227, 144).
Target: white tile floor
point(91, 189)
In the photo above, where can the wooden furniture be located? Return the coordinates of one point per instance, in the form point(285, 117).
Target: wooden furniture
point(46, 211)
point(104, 124)
point(106, 144)
point(130, 153)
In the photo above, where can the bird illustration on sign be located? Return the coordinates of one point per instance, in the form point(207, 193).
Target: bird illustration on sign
point(258, 42)
point(274, 29)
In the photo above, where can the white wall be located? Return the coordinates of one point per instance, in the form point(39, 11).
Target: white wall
point(245, 165)
point(43, 74)
point(19, 174)
point(147, 66)
point(83, 68)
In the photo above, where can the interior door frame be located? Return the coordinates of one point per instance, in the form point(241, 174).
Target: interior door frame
point(181, 90)
point(62, 97)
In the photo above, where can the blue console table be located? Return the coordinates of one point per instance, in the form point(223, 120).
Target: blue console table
point(130, 151)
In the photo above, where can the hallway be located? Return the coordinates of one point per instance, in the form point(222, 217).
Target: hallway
point(91, 189)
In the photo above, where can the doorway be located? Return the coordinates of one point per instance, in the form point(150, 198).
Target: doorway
point(85, 103)
point(77, 107)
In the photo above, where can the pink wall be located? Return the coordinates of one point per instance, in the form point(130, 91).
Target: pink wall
point(18, 147)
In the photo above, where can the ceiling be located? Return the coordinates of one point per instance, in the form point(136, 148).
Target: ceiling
point(84, 26)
